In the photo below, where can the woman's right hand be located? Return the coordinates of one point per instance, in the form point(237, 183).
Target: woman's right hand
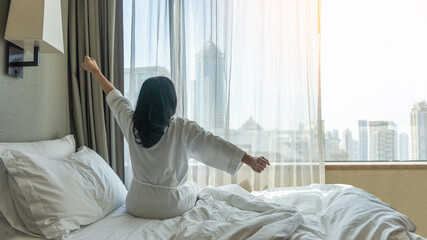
point(89, 64)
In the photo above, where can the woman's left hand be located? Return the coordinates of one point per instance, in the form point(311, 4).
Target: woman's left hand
point(258, 164)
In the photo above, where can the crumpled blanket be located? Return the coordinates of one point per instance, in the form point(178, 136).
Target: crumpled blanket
point(230, 212)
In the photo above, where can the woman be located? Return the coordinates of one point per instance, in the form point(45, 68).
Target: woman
point(160, 146)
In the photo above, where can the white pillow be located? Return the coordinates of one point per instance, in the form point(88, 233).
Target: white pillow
point(57, 148)
point(54, 197)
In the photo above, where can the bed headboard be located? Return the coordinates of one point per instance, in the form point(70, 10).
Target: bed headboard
point(37, 106)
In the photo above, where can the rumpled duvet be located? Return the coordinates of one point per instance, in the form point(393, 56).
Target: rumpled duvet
point(342, 212)
point(230, 212)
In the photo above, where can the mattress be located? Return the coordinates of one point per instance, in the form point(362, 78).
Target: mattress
point(312, 212)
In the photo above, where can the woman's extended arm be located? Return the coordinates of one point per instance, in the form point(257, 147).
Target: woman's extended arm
point(216, 152)
point(89, 64)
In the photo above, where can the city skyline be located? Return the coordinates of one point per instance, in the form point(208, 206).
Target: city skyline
point(206, 101)
point(340, 144)
point(384, 140)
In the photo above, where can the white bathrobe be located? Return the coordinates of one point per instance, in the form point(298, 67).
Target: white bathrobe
point(159, 188)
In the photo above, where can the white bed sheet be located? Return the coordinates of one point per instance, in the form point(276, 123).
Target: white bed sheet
point(328, 212)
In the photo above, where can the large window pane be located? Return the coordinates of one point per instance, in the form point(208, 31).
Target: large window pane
point(374, 79)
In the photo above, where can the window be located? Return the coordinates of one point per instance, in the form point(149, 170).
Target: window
point(374, 80)
point(247, 71)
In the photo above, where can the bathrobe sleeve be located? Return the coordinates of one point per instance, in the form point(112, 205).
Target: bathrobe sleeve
point(122, 110)
point(212, 150)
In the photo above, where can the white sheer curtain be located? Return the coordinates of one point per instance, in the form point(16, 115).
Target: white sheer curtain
point(245, 70)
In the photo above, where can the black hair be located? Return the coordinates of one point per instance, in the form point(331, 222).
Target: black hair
point(154, 109)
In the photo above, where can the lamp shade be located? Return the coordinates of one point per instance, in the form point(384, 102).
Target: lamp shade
point(35, 23)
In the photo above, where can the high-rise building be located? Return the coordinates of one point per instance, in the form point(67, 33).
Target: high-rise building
point(333, 135)
point(363, 140)
point(419, 131)
point(332, 147)
point(348, 144)
point(210, 96)
point(403, 147)
point(347, 139)
point(382, 141)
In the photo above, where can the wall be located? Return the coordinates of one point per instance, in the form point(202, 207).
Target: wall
point(35, 107)
point(405, 190)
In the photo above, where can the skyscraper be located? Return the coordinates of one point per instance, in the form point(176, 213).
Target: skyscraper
point(382, 141)
point(419, 131)
point(334, 134)
point(348, 144)
point(210, 96)
point(332, 147)
point(403, 147)
point(363, 140)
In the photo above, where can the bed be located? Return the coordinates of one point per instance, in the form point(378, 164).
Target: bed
point(230, 212)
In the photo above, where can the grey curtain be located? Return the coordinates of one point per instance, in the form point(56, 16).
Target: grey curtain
point(96, 29)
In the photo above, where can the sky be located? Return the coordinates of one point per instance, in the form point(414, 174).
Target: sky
point(373, 61)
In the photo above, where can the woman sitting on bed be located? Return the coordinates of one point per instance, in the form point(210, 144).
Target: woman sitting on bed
point(160, 146)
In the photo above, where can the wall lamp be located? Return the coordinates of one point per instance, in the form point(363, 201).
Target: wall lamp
point(36, 26)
